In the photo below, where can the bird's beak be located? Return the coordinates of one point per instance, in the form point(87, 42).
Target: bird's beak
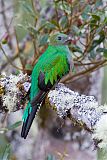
point(68, 39)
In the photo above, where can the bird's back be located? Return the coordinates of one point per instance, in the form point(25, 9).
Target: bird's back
point(44, 64)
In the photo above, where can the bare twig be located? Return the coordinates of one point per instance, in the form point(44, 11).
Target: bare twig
point(70, 78)
point(5, 22)
point(9, 59)
point(21, 60)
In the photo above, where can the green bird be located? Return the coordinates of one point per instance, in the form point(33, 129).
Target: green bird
point(52, 65)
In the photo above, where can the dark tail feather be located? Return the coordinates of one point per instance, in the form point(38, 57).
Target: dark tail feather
point(30, 120)
point(36, 102)
point(24, 127)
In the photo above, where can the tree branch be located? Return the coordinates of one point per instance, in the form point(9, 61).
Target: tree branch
point(81, 109)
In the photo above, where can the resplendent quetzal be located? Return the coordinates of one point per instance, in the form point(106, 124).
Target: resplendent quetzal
point(52, 65)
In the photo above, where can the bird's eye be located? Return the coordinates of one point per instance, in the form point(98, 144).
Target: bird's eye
point(59, 38)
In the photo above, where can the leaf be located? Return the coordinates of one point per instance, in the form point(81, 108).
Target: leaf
point(65, 7)
point(50, 25)
point(86, 11)
point(42, 22)
point(76, 30)
point(104, 50)
point(32, 30)
point(105, 53)
point(95, 17)
point(54, 22)
point(93, 24)
point(99, 29)
point(101, 50)
point(7, 152)
point(97, 42)
point(15, 125)
point(105, 20)
point(94, 20)
point(76, 48)
point(98, 3)
point(43, 40)
point(92, 55)
point(63, 21)
point(27, 7)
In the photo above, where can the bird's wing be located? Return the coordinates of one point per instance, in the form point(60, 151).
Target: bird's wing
point(54, 67)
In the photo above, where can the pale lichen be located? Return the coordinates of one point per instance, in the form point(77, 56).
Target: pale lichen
point(12, 96)
point(100, 131)
point(11, 90)
point(84, 109)
point(81, 107)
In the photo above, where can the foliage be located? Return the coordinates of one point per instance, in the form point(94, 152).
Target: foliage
point(85, 21)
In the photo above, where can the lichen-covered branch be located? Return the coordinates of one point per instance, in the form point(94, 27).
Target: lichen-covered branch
point(13, 92)
point(81, 109)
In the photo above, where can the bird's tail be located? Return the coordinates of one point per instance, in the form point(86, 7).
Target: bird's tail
point(30, 113)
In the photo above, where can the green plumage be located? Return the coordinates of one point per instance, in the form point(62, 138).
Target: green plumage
point(53, 64)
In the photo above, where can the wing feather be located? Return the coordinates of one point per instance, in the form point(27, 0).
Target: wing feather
point(55, 66)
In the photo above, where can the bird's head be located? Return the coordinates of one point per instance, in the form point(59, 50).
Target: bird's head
point(59, 39)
